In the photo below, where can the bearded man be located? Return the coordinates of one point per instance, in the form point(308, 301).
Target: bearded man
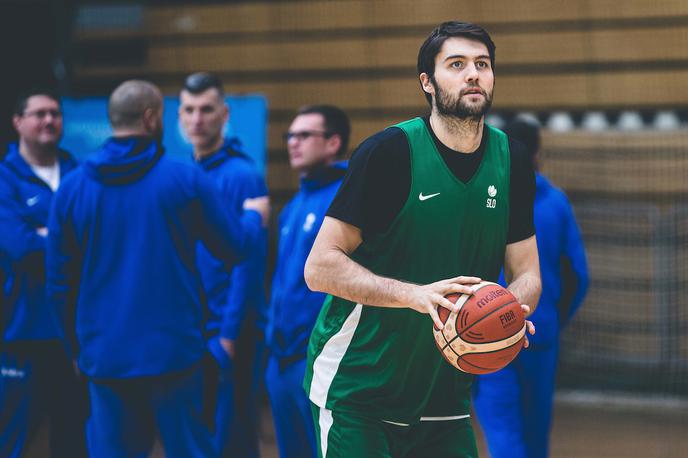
point(428, 207)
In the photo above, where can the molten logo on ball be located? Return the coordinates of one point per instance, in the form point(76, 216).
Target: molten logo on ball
point(491, 296)
point(485, 334)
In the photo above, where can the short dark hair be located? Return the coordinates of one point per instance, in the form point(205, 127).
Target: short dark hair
point(432, 45)
point(197, 83)
point(336, 122)
point(22, 99)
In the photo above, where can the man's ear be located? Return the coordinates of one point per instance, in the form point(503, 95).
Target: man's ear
point(335, 142)
point(149, 119)
point(16, 122)
point(426, 84)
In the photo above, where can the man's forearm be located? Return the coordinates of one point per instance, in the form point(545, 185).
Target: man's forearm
point(527, 288)
point(336, 273)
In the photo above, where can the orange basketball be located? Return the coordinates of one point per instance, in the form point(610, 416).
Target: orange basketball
point(486, 333)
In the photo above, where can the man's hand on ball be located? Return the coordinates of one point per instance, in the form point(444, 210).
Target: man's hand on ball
point(426, 298)
point(530, 327)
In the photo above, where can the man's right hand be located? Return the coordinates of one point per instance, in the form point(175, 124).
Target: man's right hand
point(228, 346)
point(426, 298)
point(261, 205)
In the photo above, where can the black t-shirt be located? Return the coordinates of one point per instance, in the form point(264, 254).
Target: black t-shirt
point(378, 182)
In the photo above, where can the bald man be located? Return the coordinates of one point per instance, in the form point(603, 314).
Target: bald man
point(121, 267)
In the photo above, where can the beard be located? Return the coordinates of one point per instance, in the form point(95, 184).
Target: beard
point(456, 106)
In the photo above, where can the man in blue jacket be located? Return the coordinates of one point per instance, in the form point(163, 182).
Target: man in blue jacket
point(36, 376)
point(237, 300)
point(121, 267)
point(317, 137)
point(514, 405)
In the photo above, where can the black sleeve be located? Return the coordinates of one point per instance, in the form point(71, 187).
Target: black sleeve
point(376, 184)
point(521, 195)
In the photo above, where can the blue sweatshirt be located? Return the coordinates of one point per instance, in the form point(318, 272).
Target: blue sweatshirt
point(232, 296)
point(121, 258)
point(558, 239)
point(293, 307)
point(24, 207)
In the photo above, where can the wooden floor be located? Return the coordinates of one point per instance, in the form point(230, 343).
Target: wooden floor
point(584, 430)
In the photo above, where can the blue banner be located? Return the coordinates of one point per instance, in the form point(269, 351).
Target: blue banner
point(86, 126)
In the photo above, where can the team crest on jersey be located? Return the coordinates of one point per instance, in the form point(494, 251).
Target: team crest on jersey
point(308, 223)
point(491, 201)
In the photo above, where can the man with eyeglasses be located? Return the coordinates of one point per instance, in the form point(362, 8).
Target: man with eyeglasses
point(317, 138)
point(37, 378)
point(237, 299)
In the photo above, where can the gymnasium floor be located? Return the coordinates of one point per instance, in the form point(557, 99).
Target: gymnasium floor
point(587, 427)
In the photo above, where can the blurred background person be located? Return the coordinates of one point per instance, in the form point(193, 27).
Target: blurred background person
point(317, 138)
point(121, 266)
point(236, 300)
point(514, 405)
point(37, 379)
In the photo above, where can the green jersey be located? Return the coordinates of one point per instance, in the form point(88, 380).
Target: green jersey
point(383, 360)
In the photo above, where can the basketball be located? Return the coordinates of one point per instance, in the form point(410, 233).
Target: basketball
point(486, 333)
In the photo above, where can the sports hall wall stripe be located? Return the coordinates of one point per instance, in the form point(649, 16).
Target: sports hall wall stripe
point(326, 364)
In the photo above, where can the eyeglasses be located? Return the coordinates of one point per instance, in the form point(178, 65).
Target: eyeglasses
point(41, 114)
point(304, 135)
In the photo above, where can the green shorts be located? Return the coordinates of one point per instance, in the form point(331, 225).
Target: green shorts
point(348, 435)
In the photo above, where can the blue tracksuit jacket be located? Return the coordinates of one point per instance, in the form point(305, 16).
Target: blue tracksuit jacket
point(293, 307)
point(230, 296)
point(24, 207)
point(558, 237)
point(121, 258)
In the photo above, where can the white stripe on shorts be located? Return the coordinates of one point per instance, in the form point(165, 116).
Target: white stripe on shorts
point(325, 423)
point(327, 362)
point(455, 417)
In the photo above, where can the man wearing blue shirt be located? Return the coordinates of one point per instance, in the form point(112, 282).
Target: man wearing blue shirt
point(317, 137)
point(121, 268)
point(36, 376)
point(514, 405)
point(236, 300)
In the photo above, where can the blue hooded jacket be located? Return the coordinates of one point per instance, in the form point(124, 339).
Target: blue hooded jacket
point(232, 296)
point(558, 239)
point(24, 208)
point(293, 307)
point(121, 258)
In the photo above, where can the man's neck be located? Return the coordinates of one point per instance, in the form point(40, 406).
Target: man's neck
point(44, 156)
point(204, 151)
point(462, 135)
point(313, 170)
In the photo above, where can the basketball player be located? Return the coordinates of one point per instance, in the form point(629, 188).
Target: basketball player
point(235, 299)
point(428, 207)
point(37, 378)
point(514, 405)
point(121, 266)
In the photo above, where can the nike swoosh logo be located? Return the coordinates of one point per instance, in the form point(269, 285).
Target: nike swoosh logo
point(31, 201)
point(421, 197)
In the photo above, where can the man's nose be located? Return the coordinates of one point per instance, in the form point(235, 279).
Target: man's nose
point(472, 72)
